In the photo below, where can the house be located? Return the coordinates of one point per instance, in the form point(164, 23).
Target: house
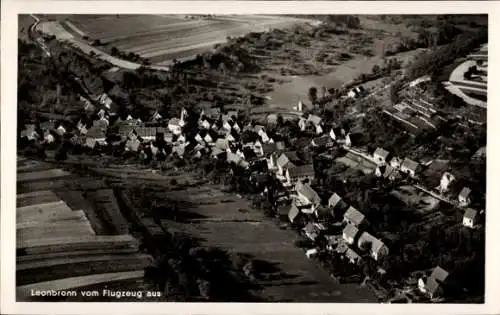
point(395, 162)
point(356, 218)
point(322, 142)
point(356, 92)
point(29, 132)
point(95, 135)
point(337, 134)
point(409, 167)
point(445, 182)
point(302, 124)
point(301, 173)
point(60, 130)
point(349, 233)
point(294, 213)
point(353, 139)
point(375, 246)
point(175, 125)
point(386, 172)
point(380, 156)
point(210, 137)
point(341, 248)
point(132, 145)
point(48, 137)
point(334, 200)
point(105, 100)
point(222, 144)
point(146, 133)
point(313, 230)
point(352, 256)
point(217, 153)
point(156, 117)
point(470, 218)
point(266, 149)
point(314, 119)
point(287, 160)
point(179, 150)
point(464, 197)
point(307, 195)
point(204, 123)
point(434, 286)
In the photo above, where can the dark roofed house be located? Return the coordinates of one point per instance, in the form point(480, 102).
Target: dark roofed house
point(380, 156)
point(464, 197)
point(386, 172)
point(352, 256)
point(376, 247)
point(286, 160)
point(334, 200)
point(354, 139)
point(409, 167)
point(435, 282)
point(300, 173)
point(349, 233)
point(322, 142)
point(293, 213)
point(356, 218)
point(308, 195)
point(470, 218)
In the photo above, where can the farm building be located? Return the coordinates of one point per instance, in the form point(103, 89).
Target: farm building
point(386, 172)
point(308, 196)
point(352, 256)
point(349, 233)
point(287, 160)
point(322, 142)
point(301, 173)
point(356, 218)
point(380, 156)
point(446, 180)
point(464, 197)
point(409, 167)
point(434, 286)
point(376, 247)
point(470, 218)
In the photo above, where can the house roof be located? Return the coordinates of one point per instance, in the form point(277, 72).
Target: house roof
point(375, 243)
point(145, 131)
point(96, 133)
point(322, 141)
point(233, 157)
point(431, 285)
point(470, 213)
point(308, 192)
point(341, 248)
point(287, 157)
point(174, 122)
point(316, 120)
point(268, 148)
point(222, 144)
point(216, 151)
point(352, 255)
point(280, 145)
point(293, 213)
point(334, 200)
point(179, 149)
point(409, 164)
point(382, 153)
point(465, 192)
point(133, 144)
point(354, 216)
point(395, 160)
point(300, 171)
point(439, 274)
point(350, 231)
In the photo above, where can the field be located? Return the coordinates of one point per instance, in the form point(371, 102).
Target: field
point(420, 201)
point(161, 38)
point(223, 220)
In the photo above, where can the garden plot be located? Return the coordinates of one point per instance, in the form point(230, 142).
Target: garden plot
point(416, 199)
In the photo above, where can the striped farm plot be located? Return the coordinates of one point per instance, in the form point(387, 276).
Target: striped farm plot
point(162, 38)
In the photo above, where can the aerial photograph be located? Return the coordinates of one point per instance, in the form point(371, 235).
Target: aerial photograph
point(251, 158)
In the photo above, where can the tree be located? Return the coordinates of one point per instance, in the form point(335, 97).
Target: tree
point(313, 95)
